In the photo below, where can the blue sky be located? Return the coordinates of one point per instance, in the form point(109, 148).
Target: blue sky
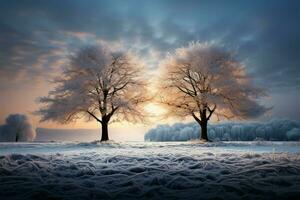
point(36, 36)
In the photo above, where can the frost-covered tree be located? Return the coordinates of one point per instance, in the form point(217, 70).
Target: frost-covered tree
point(17, 128)
point(201, 80)
point(98, 84)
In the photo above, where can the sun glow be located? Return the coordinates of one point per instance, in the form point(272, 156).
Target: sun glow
point(154, 109)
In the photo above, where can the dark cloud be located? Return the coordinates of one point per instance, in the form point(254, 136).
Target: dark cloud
point(265, 34)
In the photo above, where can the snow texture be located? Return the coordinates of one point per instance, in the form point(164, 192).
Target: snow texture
point(17, 128)
point(274, 130)
point(149, 171)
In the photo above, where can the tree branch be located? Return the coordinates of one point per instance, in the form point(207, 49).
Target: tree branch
point(94, 116)
point(211, 111)
point(196, 118)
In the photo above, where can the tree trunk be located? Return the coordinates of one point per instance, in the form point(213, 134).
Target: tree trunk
point(104, 136)
point(203, 126)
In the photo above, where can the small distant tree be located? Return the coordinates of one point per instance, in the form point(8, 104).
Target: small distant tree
point(201, 80)
point(98, 84)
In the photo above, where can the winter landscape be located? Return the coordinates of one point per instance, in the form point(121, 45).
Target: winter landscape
point(160, 99)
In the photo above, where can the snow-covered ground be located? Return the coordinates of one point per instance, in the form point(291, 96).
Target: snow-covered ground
point(145, 170)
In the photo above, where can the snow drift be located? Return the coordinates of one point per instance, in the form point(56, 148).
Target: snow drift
point(146, 170)
point(17, 128)
point(274, 130)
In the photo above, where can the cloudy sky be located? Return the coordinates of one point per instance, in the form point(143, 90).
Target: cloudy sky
point(37, 36)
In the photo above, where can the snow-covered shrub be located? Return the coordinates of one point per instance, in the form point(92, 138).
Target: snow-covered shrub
point(293, 134)
point(17, 128)
point(278, 129)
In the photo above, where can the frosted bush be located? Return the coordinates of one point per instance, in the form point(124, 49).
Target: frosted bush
point(17, 128)
point(293, 134)
point(279, 129)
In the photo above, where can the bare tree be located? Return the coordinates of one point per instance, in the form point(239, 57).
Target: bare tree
point(201, 80)
point(98, 84)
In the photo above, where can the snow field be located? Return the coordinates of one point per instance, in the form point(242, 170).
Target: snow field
point(148, 171)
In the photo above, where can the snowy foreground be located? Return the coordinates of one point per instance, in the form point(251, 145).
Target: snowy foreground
point(187, 170)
